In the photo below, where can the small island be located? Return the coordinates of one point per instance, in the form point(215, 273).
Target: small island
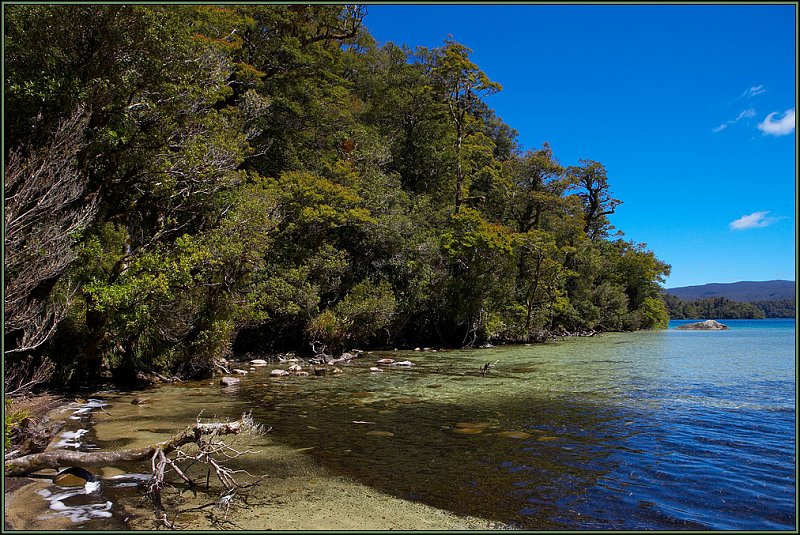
point(708, 325)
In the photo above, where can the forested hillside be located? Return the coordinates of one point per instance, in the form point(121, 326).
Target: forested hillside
point(746, 291)
point(186, 181)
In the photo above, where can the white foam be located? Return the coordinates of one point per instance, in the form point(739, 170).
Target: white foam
point(76, 513)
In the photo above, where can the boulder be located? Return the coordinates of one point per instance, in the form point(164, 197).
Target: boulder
point(229, 381)
point(278, 373)
point(258, 362)
point(708, 325)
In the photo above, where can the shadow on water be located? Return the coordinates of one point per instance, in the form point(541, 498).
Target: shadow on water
point(527, 462)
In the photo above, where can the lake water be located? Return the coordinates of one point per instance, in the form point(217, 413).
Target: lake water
point(650, 430)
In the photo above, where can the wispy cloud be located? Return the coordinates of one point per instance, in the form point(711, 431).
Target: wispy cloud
point(782, 126)
point(753, 91)
point(754, 220)
point(749, 112)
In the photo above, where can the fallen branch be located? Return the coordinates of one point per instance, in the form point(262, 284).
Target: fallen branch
point(211, 451)
point(59, 458)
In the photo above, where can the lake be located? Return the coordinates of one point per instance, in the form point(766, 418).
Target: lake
point(648, 430)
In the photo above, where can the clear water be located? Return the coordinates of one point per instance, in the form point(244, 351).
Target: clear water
point(650, 430)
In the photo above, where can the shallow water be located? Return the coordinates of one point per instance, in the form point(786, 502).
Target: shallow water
point(650, 430)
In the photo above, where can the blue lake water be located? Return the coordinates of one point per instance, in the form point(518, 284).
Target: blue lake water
point(650, 430)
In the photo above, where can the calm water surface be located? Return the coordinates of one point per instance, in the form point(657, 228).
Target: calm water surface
point(651, 430)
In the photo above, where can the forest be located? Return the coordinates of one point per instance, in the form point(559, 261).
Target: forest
point(722, 307)
point(186, 182)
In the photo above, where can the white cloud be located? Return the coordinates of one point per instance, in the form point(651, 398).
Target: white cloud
point(749, 112)
point(754, 220)
point(753, 91)
point(780, 127)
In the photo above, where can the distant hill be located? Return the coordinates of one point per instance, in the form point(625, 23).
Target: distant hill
point(747, 291)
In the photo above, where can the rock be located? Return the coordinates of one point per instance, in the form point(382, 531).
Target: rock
point(301, 374)
point(140, 401)
point(320, 372)
point(347, 356)
point(375, 369)
point(467, 430)
point(379, 433)
point(437, 385)
point(403, 363)
point(336, 370)
point(74, 476)
point(240, 372)
point(295, 368)
point(416, 349)
point(513, 434)
point(476, 425)
point(278, 373)
point(229, 381)
point(385, 361)
point(258, 362)
point(708, 325)
point(408, 401)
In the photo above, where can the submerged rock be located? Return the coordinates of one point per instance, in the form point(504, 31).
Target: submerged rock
point(379, 433)
point(514, 434)
point(74, 476)
point(468, 430)
point(140, 401)
point(229, 381)
point(278, 373)
point(708, 325)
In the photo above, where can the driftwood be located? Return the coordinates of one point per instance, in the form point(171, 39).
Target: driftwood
point(211, 451)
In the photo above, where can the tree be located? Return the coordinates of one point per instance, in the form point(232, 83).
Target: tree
point(462, 85)
point(538, 188)
point(46, 208)
point(590, 177)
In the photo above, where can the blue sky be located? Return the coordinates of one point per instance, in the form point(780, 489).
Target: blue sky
point(676, 101)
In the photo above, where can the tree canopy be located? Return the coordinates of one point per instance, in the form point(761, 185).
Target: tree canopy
point(255, 177)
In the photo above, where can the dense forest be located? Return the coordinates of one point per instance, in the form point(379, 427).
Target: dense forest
point(722, 307)
point(183, 182)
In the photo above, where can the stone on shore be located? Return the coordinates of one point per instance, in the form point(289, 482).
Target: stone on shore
point(708, 325)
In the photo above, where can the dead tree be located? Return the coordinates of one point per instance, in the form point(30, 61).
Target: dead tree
point(210, 450)
point(45, 207)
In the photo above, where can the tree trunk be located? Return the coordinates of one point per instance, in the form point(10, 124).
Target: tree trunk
point(59, 458)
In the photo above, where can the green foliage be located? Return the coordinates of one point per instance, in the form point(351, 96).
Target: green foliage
point(12, 421)
point(357, 318)
point(269, 172)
